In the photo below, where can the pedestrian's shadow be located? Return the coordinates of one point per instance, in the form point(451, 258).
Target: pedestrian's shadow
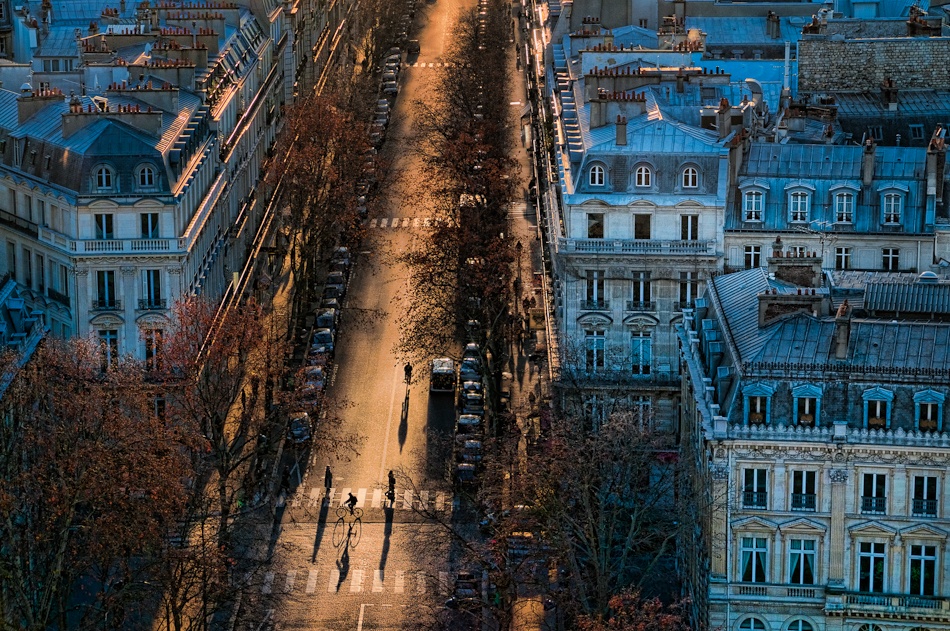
point(404, 421)
point(321, 527)
point(343, 564)
point(387, 533)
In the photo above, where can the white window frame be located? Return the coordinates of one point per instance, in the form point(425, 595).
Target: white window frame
point(844, 207)
point(872, 551)
point(641, 352)
point(752, 256)
point(644, 176)
point(146, 177)
point(843, 257)
point(595, 347)
point(105, 178)
point(799, 548)
point(891, 259)
point(799, 204)
point(756, 547)
point(690, 177)
point(597, 175)
point(753, 204)
point(892, 208)
point(921, 553)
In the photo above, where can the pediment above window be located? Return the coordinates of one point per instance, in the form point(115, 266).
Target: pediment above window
point(595, 320)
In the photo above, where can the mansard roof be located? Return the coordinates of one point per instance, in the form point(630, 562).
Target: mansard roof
point(838, 162)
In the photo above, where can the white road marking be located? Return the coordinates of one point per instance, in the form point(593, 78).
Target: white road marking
point(444, 583)
point(312, 581)
point(345, 495)
point(400, 582)
point(407, 499)
point(439, 500)
point(268, 582)
point(360, 497)
point(424, 499)
point(383, 221)
point(356, 585)
point(372, 223)
point(315, 496)
point(334, 580)
point(377, 581)
point(421, 582)
point(289, 583)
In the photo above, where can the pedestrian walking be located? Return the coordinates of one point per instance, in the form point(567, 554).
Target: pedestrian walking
point(408, 370)
point(391, 493)
point(285, 478)
point(328, 479)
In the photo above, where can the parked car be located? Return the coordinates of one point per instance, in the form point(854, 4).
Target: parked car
point(330, 303)
point(298, 428)
point(466, 593)
point(470, 369)
point(326, 319)
point(468, 449)
point(322, 341)
point(464, 474)
point(468, 425)
point(341, 254)
point(336, 278)
point(314, 377)
point(333, 291)
point(389, 75)
point(390, 87)
point(413, 48)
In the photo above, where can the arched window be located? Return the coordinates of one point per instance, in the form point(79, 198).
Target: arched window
point(690, 177)
point(597, 175)
point(644, 176)
point(870, 627)
point(752, 624)
point(800, 625)
point(146, 177)
point(104, 177)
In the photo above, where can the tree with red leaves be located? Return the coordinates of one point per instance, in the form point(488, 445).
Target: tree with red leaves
point(629, 611)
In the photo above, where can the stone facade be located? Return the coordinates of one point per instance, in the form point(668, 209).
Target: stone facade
point(827, 64)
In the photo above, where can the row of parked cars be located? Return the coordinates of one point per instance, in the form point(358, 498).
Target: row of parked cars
point(320, 343)
point(470, 423)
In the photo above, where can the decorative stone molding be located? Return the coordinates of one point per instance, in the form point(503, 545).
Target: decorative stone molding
point(719, 472)
point(838, 475)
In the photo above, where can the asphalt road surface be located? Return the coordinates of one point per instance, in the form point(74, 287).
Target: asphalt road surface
point(387, 566)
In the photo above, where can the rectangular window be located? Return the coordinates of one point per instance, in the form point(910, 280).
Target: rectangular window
point(149, 223)
point(41, 212)
point(874, 493)
point(928, 416)
point(641, 295)
point(923, 570)
point(105, 289)
point(104, 226)
point(803, 491)
point(752, 206)
point(871, 558)
point(109, 348)
point(689, 227)
point(891, 205)
point(801, 562)
point(689, 290)
point(807, 411)
point(641, 227)
point(595, 341)
point(11, 260)
point(596, 288)
point(152, 289)
point(753, 256)
point(754, 555)
point(925, 496)
point(41, 273)
point(754, 489)
point(877, 413)
point(153, 348)
point(891, 259)
point(641, 348)
point(758, 408)
point(842, 258)
point(27, 268)
point(844, 207)
point(798, 207)
point(917, 132)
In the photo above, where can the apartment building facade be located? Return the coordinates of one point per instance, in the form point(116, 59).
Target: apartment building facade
point(818, 435)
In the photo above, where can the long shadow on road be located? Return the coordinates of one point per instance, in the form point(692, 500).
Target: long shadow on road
point(384, 555)
point(404, 421)
point(321, 526)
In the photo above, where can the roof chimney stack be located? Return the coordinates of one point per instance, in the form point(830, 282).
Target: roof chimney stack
point(842, 330)
point(621, 130)
point(889, 94)
point(867, 163)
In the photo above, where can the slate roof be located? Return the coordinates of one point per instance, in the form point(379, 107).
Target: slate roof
point(803, 338)
point(838, 162)
point(746, 31)
point(908, 297)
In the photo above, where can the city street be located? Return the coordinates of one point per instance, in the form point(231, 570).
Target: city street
point(386, 566)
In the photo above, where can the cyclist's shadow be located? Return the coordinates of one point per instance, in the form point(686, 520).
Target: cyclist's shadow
point(343, 565)
point(404, 421)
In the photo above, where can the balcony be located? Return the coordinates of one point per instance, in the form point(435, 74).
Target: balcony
point(771, 591)
point(874, 505)
point(803, 501)
point(106, 305)
point(641, 305)
point(754, 499)
point(595, 305)
point(61, 298)
point(106, 246)
point(18, 223)
point(153, 304)
point(924, 508)
point(637, 246)
point(892, 605)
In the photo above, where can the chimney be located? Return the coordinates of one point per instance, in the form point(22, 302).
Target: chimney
point(842, 330)
point(804, 271)
point(889, 94)
point(724, 118)
point(772, 26)
point(867, 163)
point(680, 81)
point(621, 130)
point(936, 164)
point(774, 305)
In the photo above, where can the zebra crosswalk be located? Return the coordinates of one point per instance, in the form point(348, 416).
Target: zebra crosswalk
point(430, 64)
point(405, 499)
point(329, 579)
point(403, 222)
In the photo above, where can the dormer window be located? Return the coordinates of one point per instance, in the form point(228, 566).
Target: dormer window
point(929, 410)
point(891, 207)
point(798, 207)
point(877, 408)
point(752, 203)
point(758, 404)
point(644, 176)
point(104, 178)
point(146, 177)
point(596, 175)
point(690, 177)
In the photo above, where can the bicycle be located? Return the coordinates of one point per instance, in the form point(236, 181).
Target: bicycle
point(348, 528)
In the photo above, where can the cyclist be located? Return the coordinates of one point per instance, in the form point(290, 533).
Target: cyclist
point(351, 502)
point(408, 371)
